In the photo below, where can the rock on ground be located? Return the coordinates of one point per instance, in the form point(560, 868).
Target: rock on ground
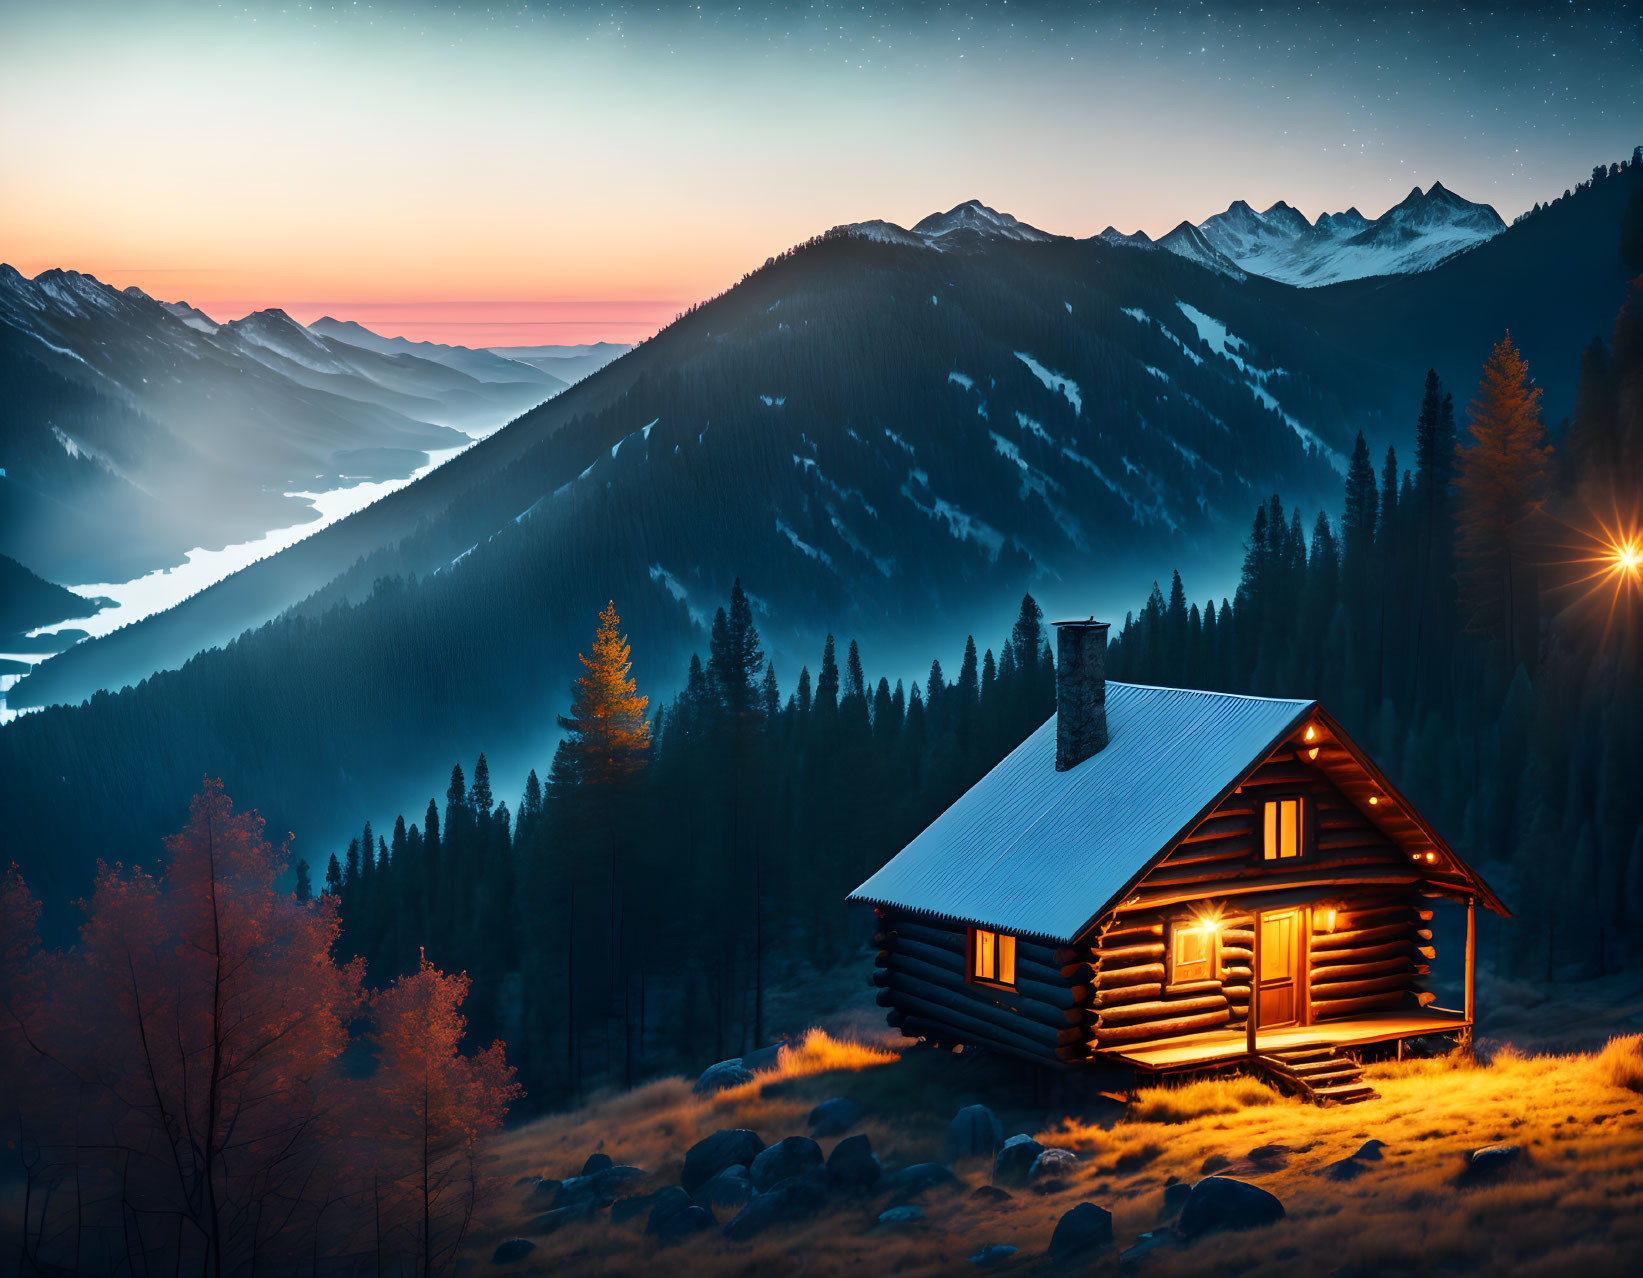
point(1086, 1228)
point(787, 1158)
point(600, 1189)
point(834, 1117)
point(852, 1164)
point(992, 1254)
point(664, 1203)
point(597, 1162)
point(1052, 1162)
point(682, 1224)
point(726, 1074)
point(1490, 1162)
point(791, 1200)
point(907, 1214)
point(511, 1250)
point(1014, 1163)
point(727, 1147)
point(912, 1182)
point(732, 1187)
point(1219, 1202)
point(975, 1132)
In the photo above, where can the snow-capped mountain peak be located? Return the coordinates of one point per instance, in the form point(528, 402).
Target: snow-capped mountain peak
point(1416, 234)
point(961, 224)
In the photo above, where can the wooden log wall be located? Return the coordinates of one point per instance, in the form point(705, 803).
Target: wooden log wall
point(1375, 958)
point(923, 979)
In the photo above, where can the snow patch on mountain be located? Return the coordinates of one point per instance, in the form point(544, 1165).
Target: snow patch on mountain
point(1054, 381)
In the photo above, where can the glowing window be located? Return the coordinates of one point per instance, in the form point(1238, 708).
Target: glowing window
point(1283, 819)
point(1192, 953)
point(993, 957)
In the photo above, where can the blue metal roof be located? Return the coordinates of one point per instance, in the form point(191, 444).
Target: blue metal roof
point(1038, 852)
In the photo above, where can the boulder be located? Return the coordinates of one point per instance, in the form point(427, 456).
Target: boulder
point(992, 1254)
point(834, 1117)
point(1144, 1246)
point(1014, 1163)
point(914, 1181)
point(682, 1224)
point(1052, 1163)
point(664, 1203)
point(1214, 1163)
point(716, 1078)
point(596, 1163)
point(907, 1214)
point(975, 1132)
point(852, 1164)
point(1354, 1165)
point(1219, 1202)
point(732, 1187)
point(511, 1250)
point(727, 1147)
point(625, 1210)
point(1490, 1162)
point(791, 1200)
point(545, 1187)
point(763, 1059)
point(1175, 1197)
point(990, 1194)
point(550, 1222)
point(1081, 1231)
point(600, 1189)
point(787, 1158)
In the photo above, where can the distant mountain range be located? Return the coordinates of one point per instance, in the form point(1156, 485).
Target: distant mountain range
point(1426, 229)
point(134, 430)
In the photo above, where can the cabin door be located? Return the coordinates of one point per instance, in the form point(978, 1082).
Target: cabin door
point(1277, 984)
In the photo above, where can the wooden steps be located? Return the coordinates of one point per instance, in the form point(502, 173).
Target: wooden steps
point(1317, 1072)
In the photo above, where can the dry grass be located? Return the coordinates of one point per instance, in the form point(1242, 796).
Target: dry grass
point(1621, 1062)
point(1576, 1205)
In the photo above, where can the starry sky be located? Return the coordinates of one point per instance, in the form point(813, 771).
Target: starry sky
point(522, 173)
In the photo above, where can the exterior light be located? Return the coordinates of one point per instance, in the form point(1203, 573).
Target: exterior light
point(1312, 753)
point(1373, 800)
point(1311, 733)
point(1329, 921)
point(1431, 856)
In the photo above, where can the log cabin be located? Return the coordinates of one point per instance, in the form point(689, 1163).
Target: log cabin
point(1167, 879)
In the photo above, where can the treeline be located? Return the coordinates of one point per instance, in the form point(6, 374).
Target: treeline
point(1475, 621)
point(631, 914)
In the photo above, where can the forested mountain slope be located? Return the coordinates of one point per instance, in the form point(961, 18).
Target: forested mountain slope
point(877, 438)
point(135, 430)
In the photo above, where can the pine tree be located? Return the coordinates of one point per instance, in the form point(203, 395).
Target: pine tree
point(607, 736)
point(480, 792)
point(333, 878)
point(1501, 480)
point(305, 886)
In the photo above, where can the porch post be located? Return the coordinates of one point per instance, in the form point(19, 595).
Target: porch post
point(1254, 988)
point(1471, 962)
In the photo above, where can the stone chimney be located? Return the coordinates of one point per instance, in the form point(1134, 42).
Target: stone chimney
point(1080, 691)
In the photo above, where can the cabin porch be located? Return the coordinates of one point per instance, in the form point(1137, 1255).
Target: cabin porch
point(1218, 1047)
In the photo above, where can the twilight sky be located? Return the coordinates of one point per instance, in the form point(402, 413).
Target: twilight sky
point(546, 173)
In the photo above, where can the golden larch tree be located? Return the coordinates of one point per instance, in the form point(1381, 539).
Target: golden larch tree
point(607, 736)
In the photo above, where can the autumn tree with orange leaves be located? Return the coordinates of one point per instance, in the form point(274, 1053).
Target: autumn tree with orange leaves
point(1502, 479)
point(180, 1101)
point(437, 1107)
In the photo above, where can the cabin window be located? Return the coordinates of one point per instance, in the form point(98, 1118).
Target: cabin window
point(1192, 953)
point(992, 957)
point(1284, 821)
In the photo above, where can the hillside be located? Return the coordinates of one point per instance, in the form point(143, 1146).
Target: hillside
point(1375, 1188)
